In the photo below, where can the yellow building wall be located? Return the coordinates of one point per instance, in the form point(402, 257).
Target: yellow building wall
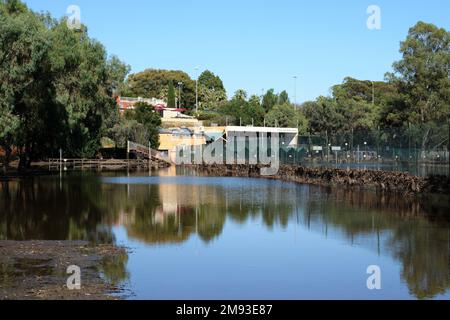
point(169, 142)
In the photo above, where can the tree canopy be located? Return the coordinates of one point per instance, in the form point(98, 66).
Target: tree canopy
point(211, 91)
point(422, 76)
point(171, 100)
point(57, 86)
point(154, 83)
point(286, 116)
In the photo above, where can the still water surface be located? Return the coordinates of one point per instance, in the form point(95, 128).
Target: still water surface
point(194, 237)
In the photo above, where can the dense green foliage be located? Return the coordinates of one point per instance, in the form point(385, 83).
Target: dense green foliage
point(151, 120)
point(57, 86)
point(241, 110)
point(171, 100)
point(211, 91)
point(286, 116)
point(140, 125)
point(422, 76)
point(269, 100)
point(152, 83)
point(409, 109)
point(414, 102)
point(167, 84)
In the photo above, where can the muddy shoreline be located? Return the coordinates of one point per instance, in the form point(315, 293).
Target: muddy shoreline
point(37, 270)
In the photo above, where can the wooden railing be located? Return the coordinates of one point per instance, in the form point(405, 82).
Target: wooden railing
point(146, 157)
point(144, 151)
point(97, 164)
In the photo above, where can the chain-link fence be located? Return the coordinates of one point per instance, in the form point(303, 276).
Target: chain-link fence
point(419, 149)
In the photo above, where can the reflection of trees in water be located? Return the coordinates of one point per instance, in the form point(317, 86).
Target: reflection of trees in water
point(204, 212)
point(424, 251)
point(210, 220)
point(33, 209)
point(404, 228)
point(415, 232)
point(173, 227)
point(273, 203)
point(114, 268)
point(82, 208)
point(44, 209)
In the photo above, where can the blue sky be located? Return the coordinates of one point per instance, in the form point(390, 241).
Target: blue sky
point(256, 44)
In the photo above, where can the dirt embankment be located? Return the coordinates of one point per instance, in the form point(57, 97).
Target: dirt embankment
point(35, 270)
point(400, 182)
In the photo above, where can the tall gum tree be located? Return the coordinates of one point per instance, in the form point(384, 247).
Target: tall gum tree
point(422, 76)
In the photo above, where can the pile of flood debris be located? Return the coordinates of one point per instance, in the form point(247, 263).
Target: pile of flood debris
point(401, 182)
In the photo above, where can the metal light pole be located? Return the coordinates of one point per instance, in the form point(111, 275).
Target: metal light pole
point(295, 90)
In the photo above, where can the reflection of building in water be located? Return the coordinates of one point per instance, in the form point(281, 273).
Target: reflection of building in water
point(168, 172)
point(177, 200)
point(159, 217)
point(174, 196)
point(171, 213)
point(176, 171)
point(125, 218)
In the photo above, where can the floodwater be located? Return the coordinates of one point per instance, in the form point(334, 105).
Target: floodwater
point(194, 237)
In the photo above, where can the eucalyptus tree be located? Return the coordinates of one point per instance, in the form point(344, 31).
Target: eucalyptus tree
point(57, 85)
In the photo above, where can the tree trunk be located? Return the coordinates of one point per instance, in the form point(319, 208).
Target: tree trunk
point(7, 157)
point(425, 140)
point(23, 159)
point(22, 162)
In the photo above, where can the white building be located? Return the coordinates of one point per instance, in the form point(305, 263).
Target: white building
point(288, 136)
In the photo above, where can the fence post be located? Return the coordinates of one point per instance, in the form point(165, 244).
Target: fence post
point(128, 157)
point(378, 143)
point(60, 159)
point(149, 156)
